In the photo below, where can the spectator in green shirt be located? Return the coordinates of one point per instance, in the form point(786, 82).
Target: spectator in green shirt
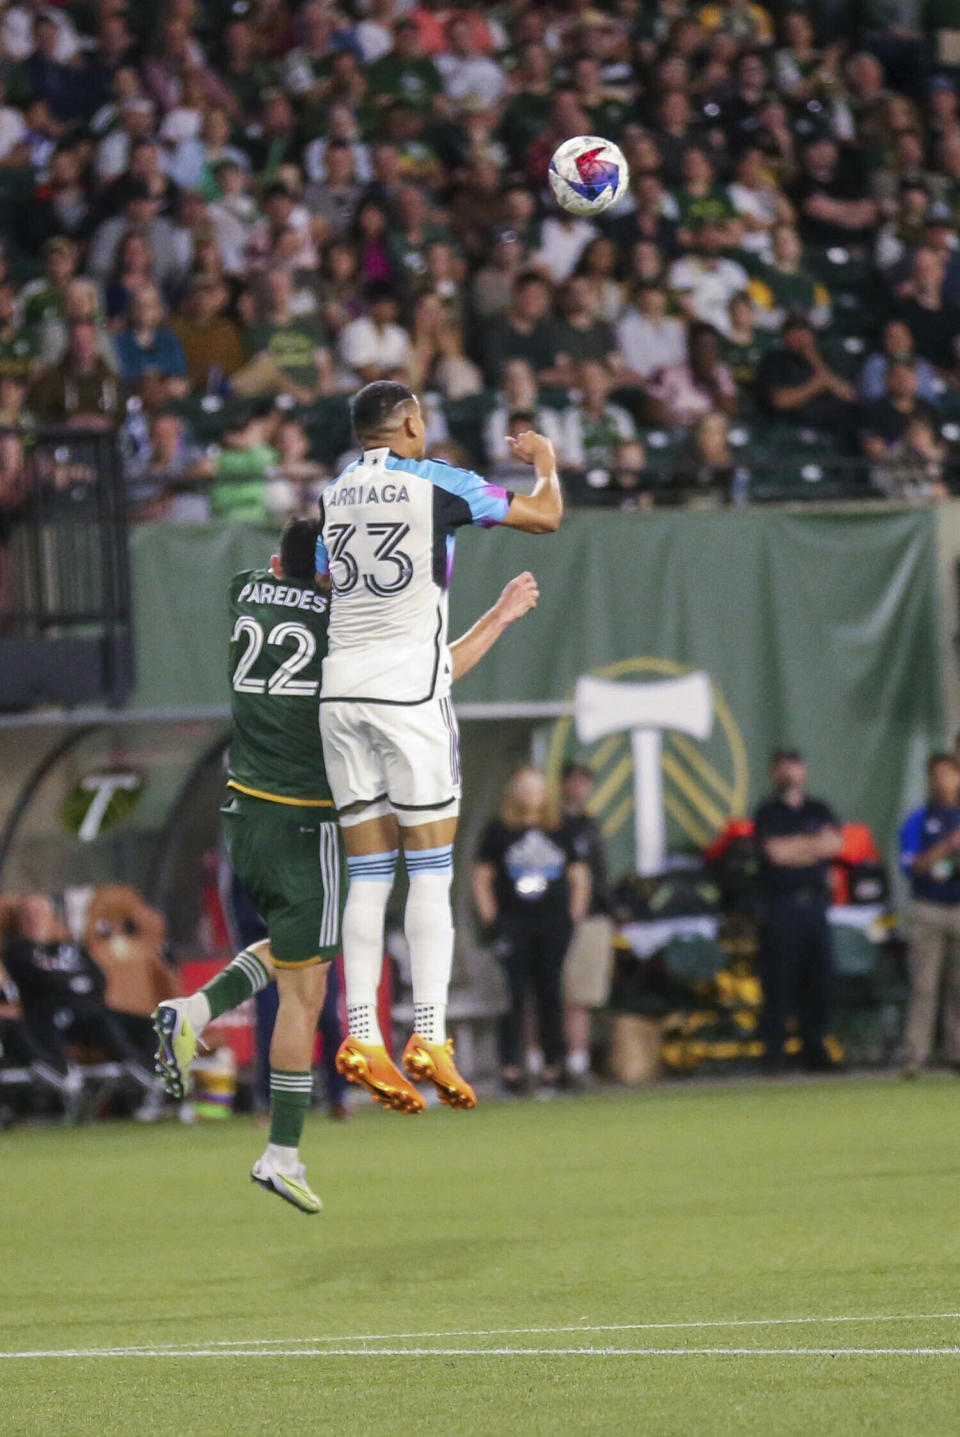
point(781, 287)
point(43, 299)
point(594, 427)
point(579, 335)
point(414, 229)
point(295, 343)
point(241, 469)
point(700, 200)
point(608, 111)
point(529, 111)
point(743, 346)
point(243, 71)
point(406, 73)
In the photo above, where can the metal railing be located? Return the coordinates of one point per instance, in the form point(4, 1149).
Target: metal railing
point(65, 610)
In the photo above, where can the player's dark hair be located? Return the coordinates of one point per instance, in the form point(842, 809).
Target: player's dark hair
point(298, 548)
point(936, 759)
point(371, 408)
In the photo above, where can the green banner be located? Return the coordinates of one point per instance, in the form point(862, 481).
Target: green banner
point(180, 577)
point(816, 630)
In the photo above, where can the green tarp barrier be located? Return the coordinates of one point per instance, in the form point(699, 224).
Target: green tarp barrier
point(818, 630)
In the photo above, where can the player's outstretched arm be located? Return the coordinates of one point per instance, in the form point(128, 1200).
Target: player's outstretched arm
point(517, 599)
point(541, 511)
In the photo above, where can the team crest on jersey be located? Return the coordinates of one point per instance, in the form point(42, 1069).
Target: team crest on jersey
point(366, 494)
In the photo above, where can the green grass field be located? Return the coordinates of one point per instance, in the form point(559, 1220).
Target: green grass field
point(673, 1262)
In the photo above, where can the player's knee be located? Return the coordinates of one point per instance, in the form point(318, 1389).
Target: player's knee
point(430, 871)
point(262, 951)
point(303, 989)
point(371, 869)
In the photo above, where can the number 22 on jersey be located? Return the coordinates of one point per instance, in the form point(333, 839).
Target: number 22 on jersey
point(283, 680)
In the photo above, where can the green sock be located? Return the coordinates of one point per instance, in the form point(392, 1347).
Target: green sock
point(240, 979)
point(290, 1095)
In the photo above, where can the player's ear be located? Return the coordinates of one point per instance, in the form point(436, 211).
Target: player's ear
point(275, 568)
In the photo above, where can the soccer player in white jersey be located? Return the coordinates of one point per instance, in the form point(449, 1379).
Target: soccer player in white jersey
point(390, 738)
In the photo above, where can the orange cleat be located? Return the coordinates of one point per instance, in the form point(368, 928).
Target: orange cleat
point(369, 1065)
point(433, 1062)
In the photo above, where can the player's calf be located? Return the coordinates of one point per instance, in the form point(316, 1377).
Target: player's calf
point(179, 1022)
point(428, 925)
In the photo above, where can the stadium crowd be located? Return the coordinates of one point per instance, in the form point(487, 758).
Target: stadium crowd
point(219, 219)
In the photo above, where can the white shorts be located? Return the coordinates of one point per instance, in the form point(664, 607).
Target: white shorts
point(383, 758)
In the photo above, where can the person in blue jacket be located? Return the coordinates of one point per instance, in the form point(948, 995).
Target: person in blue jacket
point(930, 857)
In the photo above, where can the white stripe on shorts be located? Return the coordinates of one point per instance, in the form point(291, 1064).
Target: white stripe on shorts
point(447, 710)
point(330, 871)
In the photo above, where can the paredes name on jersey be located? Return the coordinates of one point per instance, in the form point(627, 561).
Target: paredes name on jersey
point(259, 592)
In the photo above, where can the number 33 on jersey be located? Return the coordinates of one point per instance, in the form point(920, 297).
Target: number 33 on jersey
point(388, 537)
point(277, 646)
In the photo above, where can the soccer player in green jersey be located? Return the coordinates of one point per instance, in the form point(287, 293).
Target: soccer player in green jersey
point(282, 834)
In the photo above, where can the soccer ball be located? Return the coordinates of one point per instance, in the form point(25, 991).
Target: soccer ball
point(588, 175)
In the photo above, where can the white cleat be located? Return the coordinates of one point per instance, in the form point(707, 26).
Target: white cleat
point(292, 1186)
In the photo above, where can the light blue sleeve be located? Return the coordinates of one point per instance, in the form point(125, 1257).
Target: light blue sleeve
point(323, 558)
point(487, 503)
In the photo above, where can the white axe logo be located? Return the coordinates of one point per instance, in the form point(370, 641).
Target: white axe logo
point(645, 711)
point(103, 786)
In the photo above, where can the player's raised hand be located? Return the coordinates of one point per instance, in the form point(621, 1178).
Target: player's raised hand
point(532, 448)
point(518, 598)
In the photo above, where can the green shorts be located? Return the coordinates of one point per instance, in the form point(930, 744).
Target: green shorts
point(290, 861)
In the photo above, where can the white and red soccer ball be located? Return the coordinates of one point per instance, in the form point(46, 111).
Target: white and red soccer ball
point(587, 175)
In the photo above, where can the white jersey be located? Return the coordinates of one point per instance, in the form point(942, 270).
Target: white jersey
point(387, 543)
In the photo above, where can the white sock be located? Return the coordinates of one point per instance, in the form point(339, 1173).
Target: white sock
point(578, 1062)
point(371, 879)
point(285, 1160)
point(428, 924)
point(534, 1060)
point(196, 1010)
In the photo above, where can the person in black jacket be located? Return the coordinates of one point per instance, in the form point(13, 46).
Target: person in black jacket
point(61, 992)
point(530, 887)
point(797, 837)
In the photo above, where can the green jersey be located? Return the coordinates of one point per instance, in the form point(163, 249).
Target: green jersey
point(771, 288)
point(715, 207)
point(277, 646)
point(743, 359)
